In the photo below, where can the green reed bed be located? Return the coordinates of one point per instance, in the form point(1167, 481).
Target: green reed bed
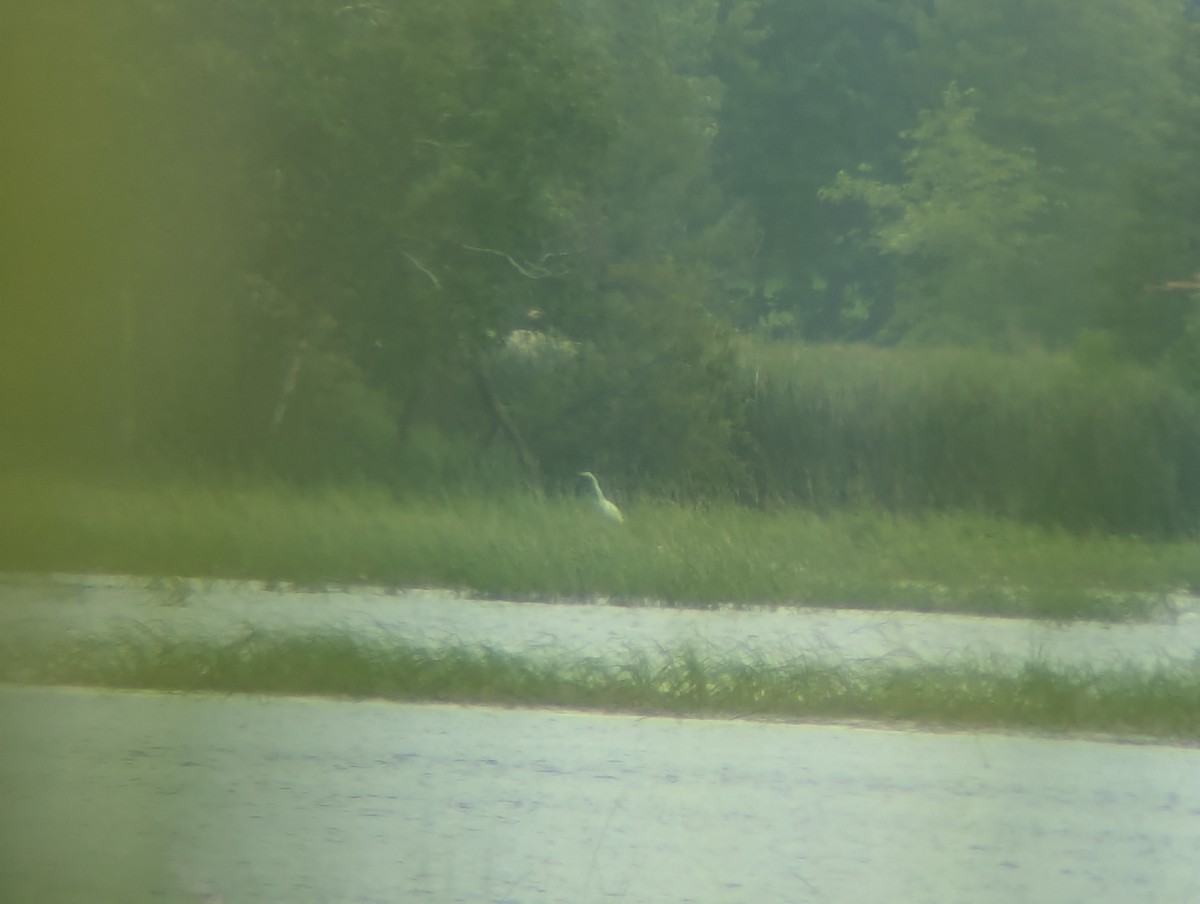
point(1039, 437)
point(1155, 702)
point(518, 547)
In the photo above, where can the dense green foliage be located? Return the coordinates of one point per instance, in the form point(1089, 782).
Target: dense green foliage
point(520, 238)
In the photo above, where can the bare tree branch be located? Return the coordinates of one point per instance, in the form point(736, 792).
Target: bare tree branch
point(528, 270)
point(453, 145)
point(416, 263)
point(289, 385)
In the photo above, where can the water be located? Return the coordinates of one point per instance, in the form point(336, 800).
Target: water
point(149, 797)
point(132, 797)
point(52, 606)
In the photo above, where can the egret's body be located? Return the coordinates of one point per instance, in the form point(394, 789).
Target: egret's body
point(605, 507)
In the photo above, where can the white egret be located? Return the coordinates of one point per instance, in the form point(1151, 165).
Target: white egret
point(607, 509)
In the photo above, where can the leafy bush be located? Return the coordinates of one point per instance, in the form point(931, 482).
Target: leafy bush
point(647, 398)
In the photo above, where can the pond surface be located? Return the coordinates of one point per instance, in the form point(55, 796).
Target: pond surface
point(53, 605)
point(138, 797)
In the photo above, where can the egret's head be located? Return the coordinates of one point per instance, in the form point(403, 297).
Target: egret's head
point(606, 508)
point(595, 484)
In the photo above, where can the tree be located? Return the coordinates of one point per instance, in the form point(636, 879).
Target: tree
point(1150, 312)
point(1086, 84)
point(815, 87)
point(811, 87)
point(956, 225)
point(287, 193)
point(646, 391)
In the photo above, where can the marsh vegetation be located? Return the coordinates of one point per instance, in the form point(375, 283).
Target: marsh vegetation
point(1161, 702)
point(518, 547)
point(857, 304)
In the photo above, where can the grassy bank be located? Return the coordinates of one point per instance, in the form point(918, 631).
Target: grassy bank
point(518, 547)
point(1162, 703)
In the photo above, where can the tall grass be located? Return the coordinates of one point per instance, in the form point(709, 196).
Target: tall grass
point(518, 547)
point(1162, 702)
point(1034, 436)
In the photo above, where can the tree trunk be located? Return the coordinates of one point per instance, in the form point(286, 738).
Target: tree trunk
point(491, 398)
point(289, 385)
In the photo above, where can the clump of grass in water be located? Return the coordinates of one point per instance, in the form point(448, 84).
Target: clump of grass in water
point(1160, 702)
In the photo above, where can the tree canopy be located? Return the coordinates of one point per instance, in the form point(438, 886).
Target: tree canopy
point(295, 234)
